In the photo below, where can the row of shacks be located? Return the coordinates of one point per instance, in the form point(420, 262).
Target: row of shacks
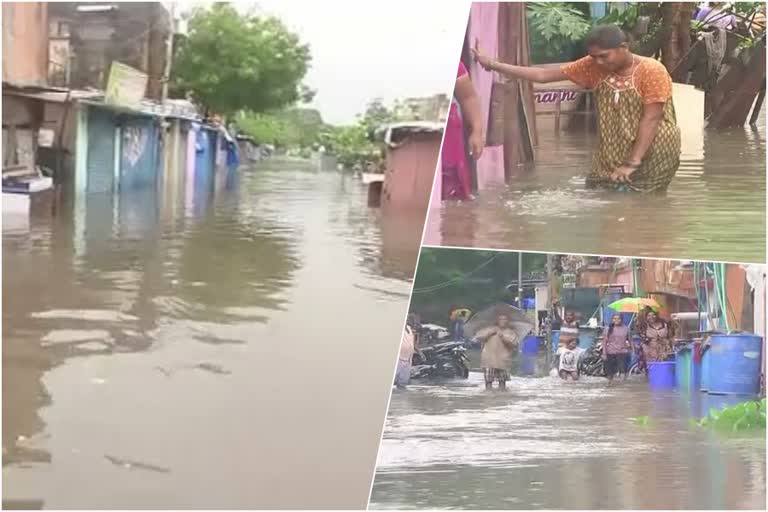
point(89, 145)
point(85, 108)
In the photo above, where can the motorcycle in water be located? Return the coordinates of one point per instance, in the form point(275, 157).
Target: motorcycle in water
point(432, 333)
point(444, 360)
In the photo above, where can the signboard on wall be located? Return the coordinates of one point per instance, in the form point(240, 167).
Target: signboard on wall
point(125, 86)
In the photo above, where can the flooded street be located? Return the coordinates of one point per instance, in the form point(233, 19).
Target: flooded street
point(548, 208)
point(553, 445)
point(233, 351)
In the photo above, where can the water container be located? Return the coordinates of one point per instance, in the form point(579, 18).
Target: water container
point(705, 358)
point(695, 383)
point(530, 345)
point(661, 375)
point(683, 358)
point(735, 364)
point(587, 337)
point(555, 340)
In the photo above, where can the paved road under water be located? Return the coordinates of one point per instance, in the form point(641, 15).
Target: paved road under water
point(553, 445)
point(233, 351)
point(714, 209)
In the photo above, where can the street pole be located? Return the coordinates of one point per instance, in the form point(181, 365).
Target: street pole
point(169, 52)
point(520, 280)
point(550, 309)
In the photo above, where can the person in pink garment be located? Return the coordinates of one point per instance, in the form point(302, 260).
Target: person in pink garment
point(465, 109)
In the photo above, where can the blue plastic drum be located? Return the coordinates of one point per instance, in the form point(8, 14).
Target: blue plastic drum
point(735, 364)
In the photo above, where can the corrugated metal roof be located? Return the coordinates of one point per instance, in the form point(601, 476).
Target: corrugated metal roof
point(389, 133)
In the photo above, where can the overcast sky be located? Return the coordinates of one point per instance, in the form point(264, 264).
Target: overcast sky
point(363, 49)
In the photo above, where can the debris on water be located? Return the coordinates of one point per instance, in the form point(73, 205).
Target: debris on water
point(162, 370)
point(213, 368)
point(131, 464)
point(622, 219)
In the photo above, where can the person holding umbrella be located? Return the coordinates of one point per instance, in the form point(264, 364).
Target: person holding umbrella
point(498, 344)
point(643, 308)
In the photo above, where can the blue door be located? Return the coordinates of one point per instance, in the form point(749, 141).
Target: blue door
point(100, 167)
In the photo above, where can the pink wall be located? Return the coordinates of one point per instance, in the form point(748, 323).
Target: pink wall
point(484, 22)
point(25, 42)
point(410, 173)
point(625, 277)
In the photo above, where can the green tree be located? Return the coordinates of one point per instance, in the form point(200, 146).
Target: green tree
point(291, 127)
point(234, 61)
point(376, 114)
point(474, 279)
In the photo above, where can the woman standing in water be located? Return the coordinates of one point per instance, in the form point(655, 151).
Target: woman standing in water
point(639, 141)
point(616, 346)
point(457, 183)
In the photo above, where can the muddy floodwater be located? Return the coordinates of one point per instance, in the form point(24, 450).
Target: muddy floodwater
point(224, 351)
point(553, 445)
point(713, 210)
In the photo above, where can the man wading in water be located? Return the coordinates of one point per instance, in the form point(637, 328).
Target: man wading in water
point(639, 141)
point(498, 344)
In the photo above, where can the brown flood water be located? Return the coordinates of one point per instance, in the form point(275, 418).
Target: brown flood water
point(233, 352)
point(714, 209)
point(550, 445)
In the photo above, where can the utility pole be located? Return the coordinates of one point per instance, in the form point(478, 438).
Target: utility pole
point(520, 280)
point(169, 52)
point(550, 308)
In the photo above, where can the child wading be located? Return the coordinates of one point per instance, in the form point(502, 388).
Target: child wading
point(568, 365)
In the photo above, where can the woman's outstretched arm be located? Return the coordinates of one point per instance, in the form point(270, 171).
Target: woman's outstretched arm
point(470, 110)
point(538, 75)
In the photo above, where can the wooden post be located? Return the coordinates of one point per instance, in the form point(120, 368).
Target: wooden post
point(557, 113)
point(758, 107)
point(735, 107)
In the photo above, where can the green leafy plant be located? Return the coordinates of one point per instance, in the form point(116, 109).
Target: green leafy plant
point(557, 27)
point(642, 421)
point(742, 417)
point(625, 18)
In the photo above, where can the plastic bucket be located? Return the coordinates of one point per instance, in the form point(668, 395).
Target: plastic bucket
point(530, 345)
point(661, 375)
point(735, 364)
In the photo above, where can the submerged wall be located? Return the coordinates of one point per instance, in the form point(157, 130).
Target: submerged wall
point(409, 174)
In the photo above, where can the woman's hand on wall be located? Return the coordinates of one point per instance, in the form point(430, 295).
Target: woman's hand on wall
point(485, 61)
